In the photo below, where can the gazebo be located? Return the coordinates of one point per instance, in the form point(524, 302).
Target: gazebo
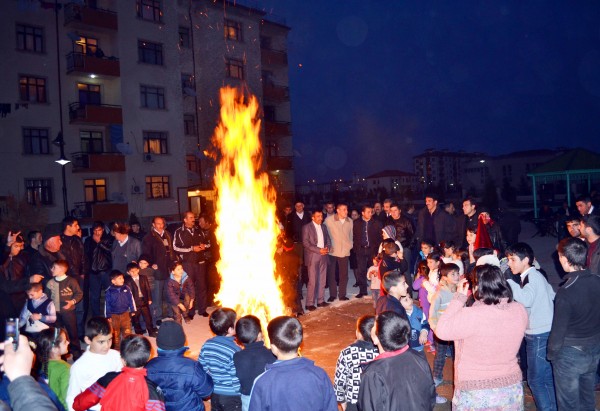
point(573, 166)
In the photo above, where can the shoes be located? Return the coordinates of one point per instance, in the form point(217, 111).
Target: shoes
point(191, 315)
point(323, 304)
point(311, 307)
point(359, 295)
point(153, 333)
point(344, 299)
point(203, 314)
point(440, 400)
point(187, 320)
point(331, 299)
point(437, 381)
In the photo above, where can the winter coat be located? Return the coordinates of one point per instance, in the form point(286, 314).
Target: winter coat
point(98, 254)
point(176, 290)
point(153, 245)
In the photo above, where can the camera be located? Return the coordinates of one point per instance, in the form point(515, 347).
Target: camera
point(12, 332)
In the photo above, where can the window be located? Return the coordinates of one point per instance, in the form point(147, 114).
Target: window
point(85, 45)
point(152, 97)
point(157, 187)
point(189, 124)
point(38, 191)
point(94, 190)
point(269, 113)
point(150, 10)
point(193, 164)
point(32, 89)
point(150, 53)
point(155, 142)
point(35, 141)
point(235, 69)
point(233, 30)
point(187, 81)
point(184, 37)
point(89, 94)
point(265, 42)
point(91, 141)
point(30, 38)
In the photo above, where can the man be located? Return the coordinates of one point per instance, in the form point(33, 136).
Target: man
point(31, 250)
point(590, 229)
point(97, 249)
point(459, 221)
point(573, 225)
point(404, 232)
point(434, 224)
point(72, 248)
point(125, 249)
point(47, 255)
point(533, 291)
point(187, 243)
point(387, 204)
point(574, 343)
point(295, 222)
point(315, 240)
point(584, 206)
point(366, 234)
point(158, 246)
point(282, 216)
point(136, 229)
point(329, 210)
point(384, 386)
point(339, 228)
point(378, 213)
point(471, 217)
point(210, 255)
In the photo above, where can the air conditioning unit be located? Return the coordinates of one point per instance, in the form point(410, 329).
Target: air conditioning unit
point(148, 157)
point(136, 190)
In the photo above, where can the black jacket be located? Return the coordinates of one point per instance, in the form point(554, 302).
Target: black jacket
point(185, 238)
point(373, 234)
point(404, 230)
point(444, 226)
point(98, 254)
point(135, 291)
point(72, 248)
point(162, 255)
point(293, 226)
point(398, 382)
point(250, 363)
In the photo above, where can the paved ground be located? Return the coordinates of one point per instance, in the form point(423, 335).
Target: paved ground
point(328, 330)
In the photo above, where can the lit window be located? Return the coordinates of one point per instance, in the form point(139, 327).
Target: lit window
point(235, 69)
point(38, 191)
point(94, 190)
point(155, 142)
point(32, 89)
point(157, 187)
point(233, 30)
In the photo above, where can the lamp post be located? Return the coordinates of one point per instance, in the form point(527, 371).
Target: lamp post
point(63, 161)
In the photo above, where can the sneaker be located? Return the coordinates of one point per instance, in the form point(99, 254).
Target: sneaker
point(440, 400)
point(437, 381)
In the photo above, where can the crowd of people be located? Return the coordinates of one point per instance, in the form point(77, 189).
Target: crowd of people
point(482, 300)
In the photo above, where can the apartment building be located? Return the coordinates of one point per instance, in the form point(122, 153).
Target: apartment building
point(128, 91)
point(441, 168)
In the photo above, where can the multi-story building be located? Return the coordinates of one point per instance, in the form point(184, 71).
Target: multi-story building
point(129, 91)
point(395, 182)
point(441, 168)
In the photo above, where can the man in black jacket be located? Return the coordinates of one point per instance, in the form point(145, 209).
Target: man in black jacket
point(383, 385)
point(367, 236)
point(574, 342)
point(97, 249)
point(434, 224)
point(404, 233)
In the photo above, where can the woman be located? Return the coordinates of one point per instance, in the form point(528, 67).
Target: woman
point(487, 337)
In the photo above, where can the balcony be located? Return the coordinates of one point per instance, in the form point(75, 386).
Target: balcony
point(98, 162)
point(90, 64)
point(95, 114)
point(83, 17)
point(272, 57)
point(275, 93)
point(277, 128)
point(280, 163)
point(103, 211)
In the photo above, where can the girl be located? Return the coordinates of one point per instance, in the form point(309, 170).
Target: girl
point(434, 260)
point(422, 277)
point(53, 343)
point(460, 257)
point(448, 248)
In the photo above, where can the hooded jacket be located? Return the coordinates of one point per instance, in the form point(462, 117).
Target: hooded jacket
point(176, 290)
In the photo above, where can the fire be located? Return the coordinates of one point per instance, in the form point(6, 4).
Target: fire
point(245, 212)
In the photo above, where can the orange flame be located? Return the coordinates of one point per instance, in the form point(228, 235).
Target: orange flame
point(245, 212)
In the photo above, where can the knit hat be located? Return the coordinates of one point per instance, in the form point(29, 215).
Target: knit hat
point(144, 257)
point(170, 336)
point(390, 230)
point(490, 259)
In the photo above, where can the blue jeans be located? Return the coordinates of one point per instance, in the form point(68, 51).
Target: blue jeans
point(575, 377)
point(539, 372)
point(245, 402)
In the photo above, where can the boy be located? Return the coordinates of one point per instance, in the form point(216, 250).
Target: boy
point(65, 294)
point(291, 383)
point(533, 291)
point(38, 312)
point(216, 357)
point(384, 386)
point(251, 361)
point(348, 370)
point(140, 288)
point(128, 389)
point(118, 306)
point(180, 294)
point(147, 270)
point(96, 361)
point(442, 297)
point(426, 249)
point(395, 286)
point(418, 324)
point(183, 381)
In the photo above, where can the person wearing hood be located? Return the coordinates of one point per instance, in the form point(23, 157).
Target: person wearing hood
point(488, 233)
point(180, 293)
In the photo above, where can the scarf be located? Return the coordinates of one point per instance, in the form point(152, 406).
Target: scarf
point(482, 240)
point(128, 391)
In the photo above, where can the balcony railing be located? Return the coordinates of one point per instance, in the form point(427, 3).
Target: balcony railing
point(102, 211)
point(273, 57)
point(277, 128)
point(80, 113)
point(276, 93)
point(81, 16)
point(98, 162)
point(280, 163)
point(90, 64)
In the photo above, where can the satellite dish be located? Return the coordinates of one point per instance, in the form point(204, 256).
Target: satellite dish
point(73, 36)
point(189, 91)
point(124, 148)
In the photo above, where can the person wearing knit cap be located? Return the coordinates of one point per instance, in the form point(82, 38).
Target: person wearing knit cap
point(182, 380)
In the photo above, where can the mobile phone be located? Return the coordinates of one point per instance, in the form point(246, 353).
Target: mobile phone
point(12, 332)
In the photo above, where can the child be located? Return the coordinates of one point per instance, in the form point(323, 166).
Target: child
point(446, 290)
point(251, 361)
point(96, 361)
point(395, 287)
point(448, 249)
point(52, 344)
point(373, 275)
point(419, 325)
point(216, 357)
point(391, 261)
point(421, 277)
point(65, 293)
point(348, 368)
point(426, 249)
point(147, 270)
point(180, 293)
point(128, 389)
point(183, 381)
point(38, 312)
point(118, 306)
point(142, 296)
point(461, 259)
point(291, 383)
point(434, 260)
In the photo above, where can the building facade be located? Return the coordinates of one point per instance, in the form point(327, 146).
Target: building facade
point(442, 169)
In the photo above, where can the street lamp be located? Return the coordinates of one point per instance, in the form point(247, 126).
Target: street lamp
point(63, 161)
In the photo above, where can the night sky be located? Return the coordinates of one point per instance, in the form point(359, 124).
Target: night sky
point(374, 83)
